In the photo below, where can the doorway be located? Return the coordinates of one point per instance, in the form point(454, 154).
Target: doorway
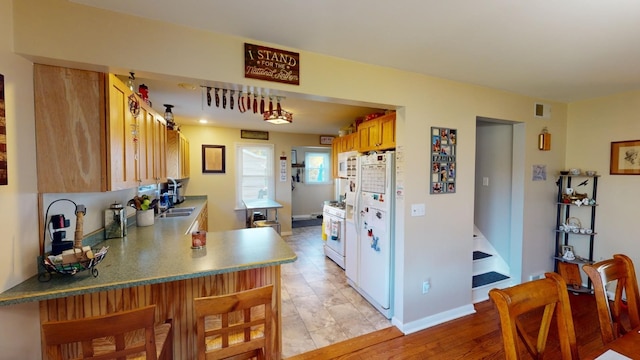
point(307, 198)
point(499, 192)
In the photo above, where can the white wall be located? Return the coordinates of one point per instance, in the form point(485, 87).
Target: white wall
point(18, 199)
point(438, 245)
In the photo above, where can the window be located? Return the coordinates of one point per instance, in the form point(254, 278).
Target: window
point(317, 167)
point(254, 175)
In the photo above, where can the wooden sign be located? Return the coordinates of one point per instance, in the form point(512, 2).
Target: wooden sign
point(265, 63)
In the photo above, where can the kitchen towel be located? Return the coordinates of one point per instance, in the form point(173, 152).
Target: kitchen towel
point(335, 229)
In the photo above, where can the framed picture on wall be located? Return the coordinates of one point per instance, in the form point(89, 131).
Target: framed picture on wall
point(4, 178)
point(443, 160)
point(213, 159)
point(625, 158)
point(326, 139)
point(254, 134)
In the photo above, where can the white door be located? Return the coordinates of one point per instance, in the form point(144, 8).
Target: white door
point(375, 256)
point(351, 251)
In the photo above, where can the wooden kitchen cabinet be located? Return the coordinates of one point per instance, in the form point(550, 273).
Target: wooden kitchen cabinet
point(152, 146)
point(160, 148)
point(177, 155)
point(336, 147)
point(84, 141)
point(85, 133)
point(203, 218)
point(70, 146)
point(349, 142)
point(378, 133)
point(120, 160)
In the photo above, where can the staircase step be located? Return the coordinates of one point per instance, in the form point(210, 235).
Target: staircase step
point(487, 278)
point(478, 255)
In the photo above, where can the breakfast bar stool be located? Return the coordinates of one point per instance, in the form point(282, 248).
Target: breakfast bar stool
point(620, 270)
point(131, 334)
point(236, 325)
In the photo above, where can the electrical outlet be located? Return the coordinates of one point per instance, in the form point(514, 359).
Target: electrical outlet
point(426, 286)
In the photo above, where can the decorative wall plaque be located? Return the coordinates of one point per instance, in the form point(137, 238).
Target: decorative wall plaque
point(254, 134)
point(265, 63)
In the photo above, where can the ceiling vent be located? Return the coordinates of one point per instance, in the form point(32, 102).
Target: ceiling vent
point(542, 111)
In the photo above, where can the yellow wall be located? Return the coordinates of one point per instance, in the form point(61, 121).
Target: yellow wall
point(592, 126)
point(436, 246)
point(220, 188)
point(18, 200)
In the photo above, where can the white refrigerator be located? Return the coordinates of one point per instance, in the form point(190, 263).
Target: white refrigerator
point(373, 220)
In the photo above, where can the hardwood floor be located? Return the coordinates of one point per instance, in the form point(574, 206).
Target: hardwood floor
point(475, 336)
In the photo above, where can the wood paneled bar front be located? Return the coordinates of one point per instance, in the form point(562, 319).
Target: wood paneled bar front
point(156, 265)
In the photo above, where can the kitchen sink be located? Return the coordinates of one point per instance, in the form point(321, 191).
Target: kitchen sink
point(177, 212)
point(181, 210)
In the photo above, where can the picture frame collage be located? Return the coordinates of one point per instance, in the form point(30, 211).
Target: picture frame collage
point(443, 160)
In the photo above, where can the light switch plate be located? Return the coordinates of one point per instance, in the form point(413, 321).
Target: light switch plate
point(417, 210)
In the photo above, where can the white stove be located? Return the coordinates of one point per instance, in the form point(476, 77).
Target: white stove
point(335, 209)
point(334, 229)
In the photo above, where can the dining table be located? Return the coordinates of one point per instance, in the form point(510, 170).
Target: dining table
point(260, 204)
point(624, 347)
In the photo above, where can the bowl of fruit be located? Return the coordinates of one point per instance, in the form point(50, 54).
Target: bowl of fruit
point(145, 209)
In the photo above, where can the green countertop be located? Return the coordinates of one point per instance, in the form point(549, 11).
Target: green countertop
point(161, 253)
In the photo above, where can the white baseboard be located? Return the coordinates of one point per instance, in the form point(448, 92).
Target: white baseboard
point(434, 320)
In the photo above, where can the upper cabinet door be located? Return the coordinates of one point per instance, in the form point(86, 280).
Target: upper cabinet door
point(177, 155)
point(122, 127)
point(378, 133)
point(70, 132)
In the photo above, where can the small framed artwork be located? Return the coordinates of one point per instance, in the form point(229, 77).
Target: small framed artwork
point(213, 159)
point(4, 178)
point(625, 158)
point(254, 134)
point(294, 157)
point(567, 251)
point(326, 139)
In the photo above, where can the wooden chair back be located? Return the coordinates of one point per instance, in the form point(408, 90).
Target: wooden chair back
point(621, 270)
point(235, 324)
point(549, 294)
point(112, 336)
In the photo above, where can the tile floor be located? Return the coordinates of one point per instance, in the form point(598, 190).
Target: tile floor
point(319, 308)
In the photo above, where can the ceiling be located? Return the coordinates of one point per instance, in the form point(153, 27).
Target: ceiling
point(557, 50)
point(189, 100)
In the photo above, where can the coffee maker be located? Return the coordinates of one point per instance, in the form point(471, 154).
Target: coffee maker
point(174, 190)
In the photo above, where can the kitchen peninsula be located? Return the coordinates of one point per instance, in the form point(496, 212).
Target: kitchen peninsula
point(156, 265)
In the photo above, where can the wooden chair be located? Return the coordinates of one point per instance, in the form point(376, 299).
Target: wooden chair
point(549, 294)
point(113, 336)
point(236, 325)
point(619, 269)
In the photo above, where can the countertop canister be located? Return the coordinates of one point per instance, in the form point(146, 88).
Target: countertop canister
point(115, 222)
